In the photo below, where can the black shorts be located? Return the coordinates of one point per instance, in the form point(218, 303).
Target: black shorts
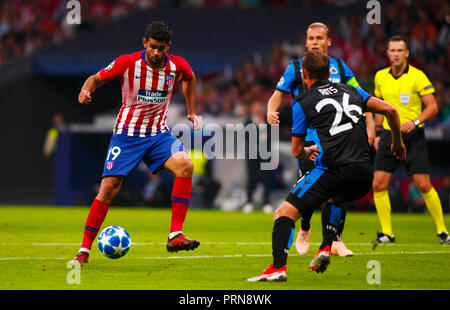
point(416, 153)
point(304, 166)
point(344, 183)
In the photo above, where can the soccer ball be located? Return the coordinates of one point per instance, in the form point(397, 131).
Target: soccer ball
point(114, 242)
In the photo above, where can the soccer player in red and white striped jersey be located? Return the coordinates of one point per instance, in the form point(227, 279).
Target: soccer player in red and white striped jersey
point(147, 80)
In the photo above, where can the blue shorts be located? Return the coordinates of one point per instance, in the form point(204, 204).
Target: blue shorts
point(125, 152)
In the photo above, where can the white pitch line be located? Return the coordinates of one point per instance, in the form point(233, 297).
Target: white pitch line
point(404, 253)
point(268, 255)
point(232, 256)
point(210, 243)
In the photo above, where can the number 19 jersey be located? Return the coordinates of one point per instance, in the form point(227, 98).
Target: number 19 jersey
point(335, 116)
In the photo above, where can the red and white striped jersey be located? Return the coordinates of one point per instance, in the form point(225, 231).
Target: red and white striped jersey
point(146, 92)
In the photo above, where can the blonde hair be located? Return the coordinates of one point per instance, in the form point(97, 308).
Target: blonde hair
point(319, 25)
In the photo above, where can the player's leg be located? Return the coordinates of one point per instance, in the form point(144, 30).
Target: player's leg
point(169, 153)
point(341, 222)
point(381, 182)
point(339, 213)
point(330, 219)
point(333, 219)
point(181, 166)
point(385, 164)
point(124, 154)
point(352, 182)
point(282, 238)
point(283, 232)
point(109, 188)
point(433, 204)
point(97, 214)
point(299, 200)
point(304, 233)
point(417, 163)
point(307, 197)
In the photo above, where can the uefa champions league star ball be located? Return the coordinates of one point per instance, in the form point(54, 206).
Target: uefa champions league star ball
point(114, 242)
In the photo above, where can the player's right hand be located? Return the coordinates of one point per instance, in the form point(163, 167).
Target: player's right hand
point(84, 97)
point(312, 152)
point(196, 121)
point(272, 118)
point(399, 150)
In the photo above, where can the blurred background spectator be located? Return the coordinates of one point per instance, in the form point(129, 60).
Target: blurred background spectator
point(51, 139)
point(27, 26)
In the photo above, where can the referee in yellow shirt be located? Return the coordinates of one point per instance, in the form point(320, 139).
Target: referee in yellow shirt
point(406, 88)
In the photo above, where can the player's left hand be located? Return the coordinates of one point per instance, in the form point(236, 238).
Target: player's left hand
point(408, 127)
point(196, 121)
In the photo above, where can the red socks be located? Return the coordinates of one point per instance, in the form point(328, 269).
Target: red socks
point(94, 221)
point(181, 195)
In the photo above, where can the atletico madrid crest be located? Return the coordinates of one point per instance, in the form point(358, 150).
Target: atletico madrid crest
point(109, 165)
point(170, 79)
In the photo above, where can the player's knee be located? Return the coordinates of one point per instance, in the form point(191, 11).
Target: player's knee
point(185, 168)
point(379, 184)
point(423, 186)
point(286, 210)
point(277, 213)
point(109, 188)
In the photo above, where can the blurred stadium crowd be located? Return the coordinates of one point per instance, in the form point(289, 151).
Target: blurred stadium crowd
point(27, 25)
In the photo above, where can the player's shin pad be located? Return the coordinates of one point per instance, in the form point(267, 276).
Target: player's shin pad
point(330, 219)
point(282, 239)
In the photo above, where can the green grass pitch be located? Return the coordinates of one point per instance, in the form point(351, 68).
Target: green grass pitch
point(37, 242)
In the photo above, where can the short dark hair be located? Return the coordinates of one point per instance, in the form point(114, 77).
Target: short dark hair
point(317, 65)
point(158, 31)
point(398, 38)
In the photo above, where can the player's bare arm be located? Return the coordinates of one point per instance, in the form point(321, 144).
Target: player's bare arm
point(378, 127)
point(431, 109)
point(370, 124)
point(189, 91)
point(379, 106)
point(272, 107)
point(89, 86)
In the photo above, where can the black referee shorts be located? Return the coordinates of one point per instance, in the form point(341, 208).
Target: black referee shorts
point(344, 183)
point(416, 153)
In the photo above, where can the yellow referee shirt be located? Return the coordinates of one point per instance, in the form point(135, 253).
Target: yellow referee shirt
point(403, 92)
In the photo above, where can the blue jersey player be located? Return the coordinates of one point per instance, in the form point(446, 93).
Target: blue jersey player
point(317, 39)
point(342, 167)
